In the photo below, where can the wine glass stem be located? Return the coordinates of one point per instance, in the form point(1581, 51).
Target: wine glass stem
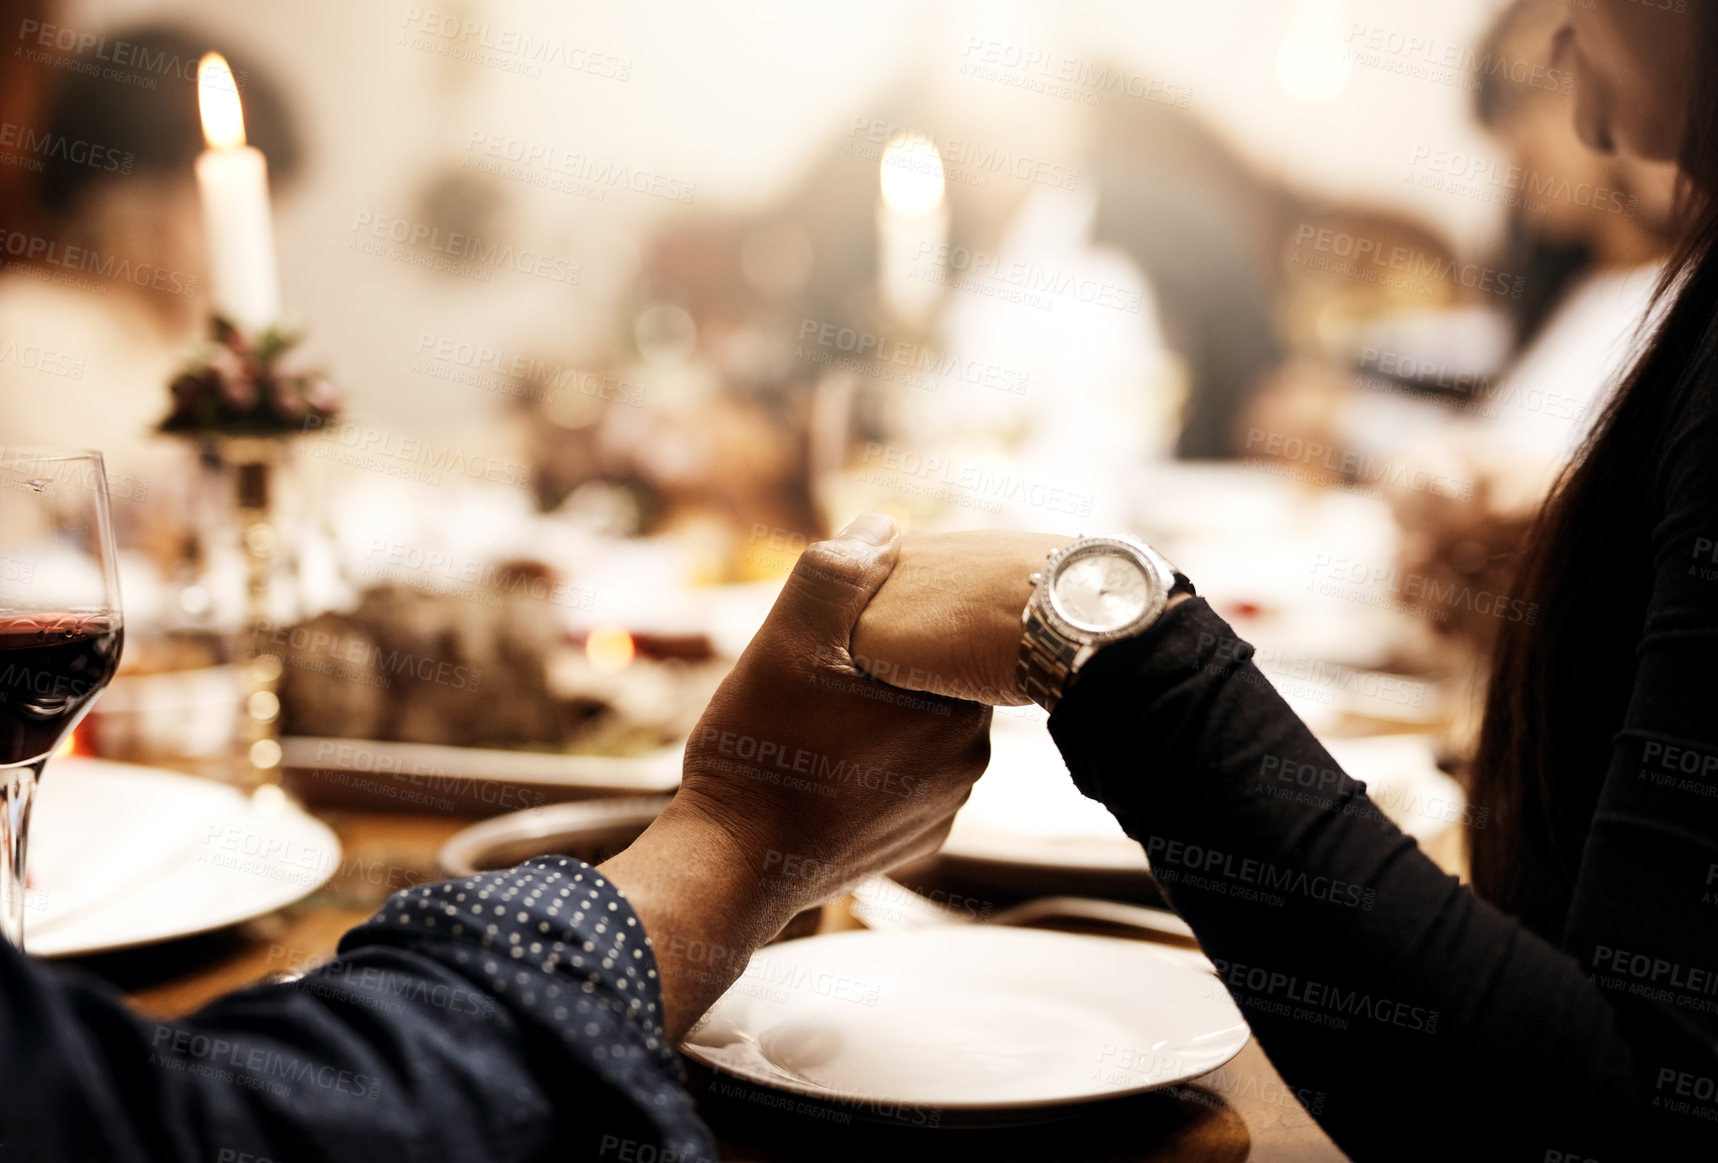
point(17, 793)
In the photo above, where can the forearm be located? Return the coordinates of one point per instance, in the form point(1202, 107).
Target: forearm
point(703, 901)
point(1370, 977)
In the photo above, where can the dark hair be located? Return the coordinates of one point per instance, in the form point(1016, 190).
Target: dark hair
point(1560, 687)
point(156, 126)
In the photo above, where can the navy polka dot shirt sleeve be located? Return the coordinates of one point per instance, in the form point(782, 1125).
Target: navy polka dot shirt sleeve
point(511, 1015)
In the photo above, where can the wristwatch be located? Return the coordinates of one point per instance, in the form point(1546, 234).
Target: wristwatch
point(1091, 593)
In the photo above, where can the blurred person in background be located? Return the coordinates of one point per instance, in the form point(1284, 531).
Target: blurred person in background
point(1588, 235)
point(1208, 231)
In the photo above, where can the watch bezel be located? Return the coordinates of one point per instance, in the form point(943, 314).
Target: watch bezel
point(1159, 575)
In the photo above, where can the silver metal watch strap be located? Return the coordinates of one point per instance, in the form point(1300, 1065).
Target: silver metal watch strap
point(1045, 664)
point(1045, 661)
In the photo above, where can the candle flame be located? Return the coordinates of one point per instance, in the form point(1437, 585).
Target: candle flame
point(218, 98)
point(911, 174)
point(609, 649)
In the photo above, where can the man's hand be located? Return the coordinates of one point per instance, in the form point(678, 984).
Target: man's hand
point(948, 619)
point(803, 776)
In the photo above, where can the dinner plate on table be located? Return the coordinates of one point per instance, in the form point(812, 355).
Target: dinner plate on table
point(123, 855)
point(1025, 819)
point(981, 1024)
point(464, 780)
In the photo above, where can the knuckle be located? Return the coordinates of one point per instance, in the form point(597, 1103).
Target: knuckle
point(830, 561)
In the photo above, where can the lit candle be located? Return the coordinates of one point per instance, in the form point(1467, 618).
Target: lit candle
point(912, 227)
point(233, 180)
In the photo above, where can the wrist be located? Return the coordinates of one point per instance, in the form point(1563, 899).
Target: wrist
point(1009, 605)
point(701, 898)
point(1098, 591)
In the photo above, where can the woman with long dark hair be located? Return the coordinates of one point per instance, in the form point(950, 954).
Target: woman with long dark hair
point(1566, 1006)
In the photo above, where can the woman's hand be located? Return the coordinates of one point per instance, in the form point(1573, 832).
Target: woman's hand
point(803, 776)
point(948, 619)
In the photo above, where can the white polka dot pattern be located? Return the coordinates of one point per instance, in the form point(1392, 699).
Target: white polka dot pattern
point(555, 943)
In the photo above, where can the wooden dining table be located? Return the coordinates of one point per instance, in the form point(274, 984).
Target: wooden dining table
point(1240, 1111)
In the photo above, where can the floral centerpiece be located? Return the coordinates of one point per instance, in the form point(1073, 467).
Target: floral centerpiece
point(236, 387)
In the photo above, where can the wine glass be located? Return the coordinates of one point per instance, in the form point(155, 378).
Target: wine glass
point(60, 630)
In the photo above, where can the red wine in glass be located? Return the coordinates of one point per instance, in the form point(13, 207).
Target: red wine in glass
point(51, 668)
point(60, 631)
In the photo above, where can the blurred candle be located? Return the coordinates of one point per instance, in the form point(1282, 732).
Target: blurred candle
point(233, 180)
point(1314, 61)
point(912, 227)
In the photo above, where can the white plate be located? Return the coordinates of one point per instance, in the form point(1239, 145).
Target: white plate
point(970, 1020)
point(1026, 812)
point(441, 771)
point(122, 855)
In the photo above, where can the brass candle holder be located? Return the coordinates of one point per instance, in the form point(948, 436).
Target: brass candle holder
point(245, 401)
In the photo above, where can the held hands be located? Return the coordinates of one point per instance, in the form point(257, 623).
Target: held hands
point(803, 776)
point(799, 749)
point(947, 620)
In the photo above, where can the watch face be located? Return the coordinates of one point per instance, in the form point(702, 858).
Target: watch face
point(1101, 591)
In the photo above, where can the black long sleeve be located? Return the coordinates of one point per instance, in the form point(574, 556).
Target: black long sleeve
point(1424, 1019)
point(509, 1016)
